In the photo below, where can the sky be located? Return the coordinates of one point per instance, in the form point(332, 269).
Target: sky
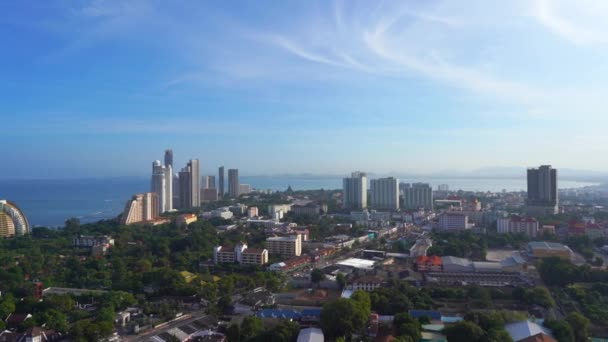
point(101, 88)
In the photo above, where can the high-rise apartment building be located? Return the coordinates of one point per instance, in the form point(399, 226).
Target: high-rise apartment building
point(196, 182)
point(169, 158)
point(175, 185)
point(12, 220)
point(354, 191)
point(162, 185)
point(208, 182)
point(221, 192)
point(542, 190)
point(233, 183)
point(417, 195)
point(189, 185)
point(142, 207)
point(385, 193)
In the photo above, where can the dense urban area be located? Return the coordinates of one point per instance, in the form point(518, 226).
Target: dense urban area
point(189, 261)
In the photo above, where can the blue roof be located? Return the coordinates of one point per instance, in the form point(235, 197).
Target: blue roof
point(277, 313)
point(311, 312)
point(429, 313)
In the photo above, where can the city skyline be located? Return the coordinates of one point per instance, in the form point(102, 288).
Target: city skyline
point(108, 84)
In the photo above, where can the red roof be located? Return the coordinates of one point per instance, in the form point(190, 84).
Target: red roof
point(432, 260)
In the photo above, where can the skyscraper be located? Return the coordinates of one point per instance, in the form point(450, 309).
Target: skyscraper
point(196, 182)
point(162, 186)
point(354, 190)
point(221, 192)
point(208, 182)
point(385, 193)
point(542, 190)
point(169, 158)
point(189, 185)
point(185, 188)
point(233, 183)
point(141, 207)
point(12, 220)
point(417, 195)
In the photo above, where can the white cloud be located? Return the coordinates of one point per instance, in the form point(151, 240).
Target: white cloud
point(548, 15)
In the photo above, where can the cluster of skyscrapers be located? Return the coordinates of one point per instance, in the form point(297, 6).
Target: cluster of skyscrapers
point(385, 193)
point(185, 189)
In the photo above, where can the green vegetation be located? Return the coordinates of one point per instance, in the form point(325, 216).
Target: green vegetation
point(344, 317)
point(146, 262)
point(399, 297)
point(483, 326)
point(470, 245)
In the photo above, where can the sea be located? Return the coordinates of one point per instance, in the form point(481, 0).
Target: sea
point(51, 202)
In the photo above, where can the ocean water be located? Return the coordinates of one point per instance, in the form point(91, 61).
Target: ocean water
point(51, 202)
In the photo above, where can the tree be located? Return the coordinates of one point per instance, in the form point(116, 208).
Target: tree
point(498, 335)
point(286, 331)
point(361, 298)
point(233, 333)
point(464, 331)
point(251, 327)
point(540, 296)
point(579, 325)
point(561, 330)
point(316, 276)
point(72, 225)
point(7, 306)
point(342, 317)
point(341, 280)
point(406, 325)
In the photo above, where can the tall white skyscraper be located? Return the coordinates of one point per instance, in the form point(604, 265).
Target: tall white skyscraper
point(162, 186)
point(385, 193)
point(354, 190)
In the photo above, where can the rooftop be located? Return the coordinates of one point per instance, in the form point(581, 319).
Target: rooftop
point(524, 329)
point(358, 263)
point(310, 335)
point(547, 245)
point(282, 238)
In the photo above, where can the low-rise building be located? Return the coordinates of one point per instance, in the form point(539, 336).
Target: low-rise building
point(285, 245)
point(454, 221)
point(311, 335)
point(240, 254)
point(544, 249)
point(517, 224)
point(224, 213)
point(365, 283)
point(238, 209)
point(185, 219)
point(90, 241)
point(432, 263)
point(254, 256)
point(309, 209)
point(228, 254)
point(252, 212)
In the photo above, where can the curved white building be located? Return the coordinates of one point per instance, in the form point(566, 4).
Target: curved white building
point(12, 220)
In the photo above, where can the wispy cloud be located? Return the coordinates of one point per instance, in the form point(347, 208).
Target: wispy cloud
point(548, 15)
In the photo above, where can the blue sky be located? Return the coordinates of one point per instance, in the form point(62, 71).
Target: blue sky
point(101, 88)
